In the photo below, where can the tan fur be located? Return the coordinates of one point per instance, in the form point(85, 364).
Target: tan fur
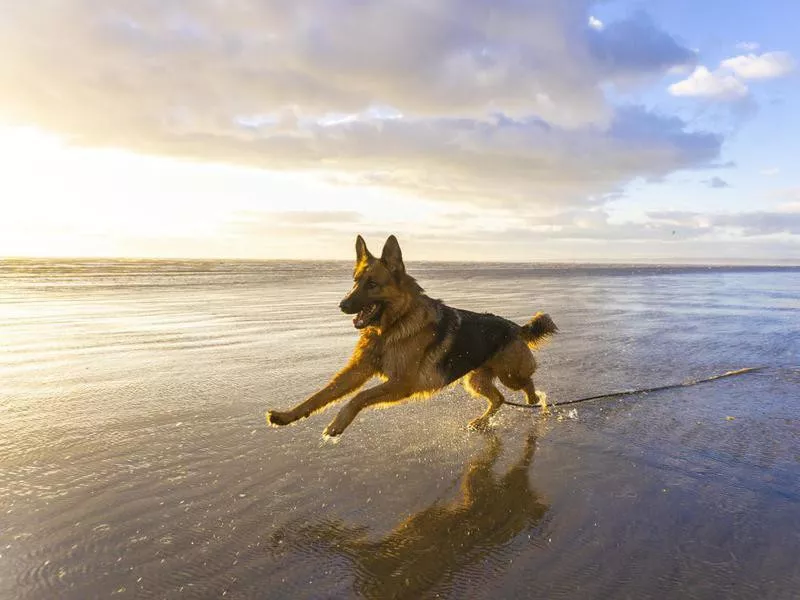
point(403, 350)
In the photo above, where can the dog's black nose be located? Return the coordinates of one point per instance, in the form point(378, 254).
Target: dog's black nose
point(348, 307)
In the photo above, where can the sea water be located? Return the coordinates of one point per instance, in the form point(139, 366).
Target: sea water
point(135, 461)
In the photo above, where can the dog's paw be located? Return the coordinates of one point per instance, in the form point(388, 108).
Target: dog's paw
point(332, 431)
point(330, 439)
point(276, 418)
point(543, 404)
point(479, 424)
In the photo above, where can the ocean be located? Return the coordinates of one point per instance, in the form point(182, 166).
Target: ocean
point(135, 461)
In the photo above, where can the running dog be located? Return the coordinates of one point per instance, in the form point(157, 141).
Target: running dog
point(419, 345)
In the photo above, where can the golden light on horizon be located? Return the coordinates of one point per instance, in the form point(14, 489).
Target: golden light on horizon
point(58, 200)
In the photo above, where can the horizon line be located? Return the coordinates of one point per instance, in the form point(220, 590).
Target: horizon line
point(701, 262)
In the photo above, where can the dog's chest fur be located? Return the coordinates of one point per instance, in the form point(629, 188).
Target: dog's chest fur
point(409, 352)
point(399, 358)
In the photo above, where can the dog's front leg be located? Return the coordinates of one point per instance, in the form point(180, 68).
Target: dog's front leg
point(349, 379)
point(385, 392)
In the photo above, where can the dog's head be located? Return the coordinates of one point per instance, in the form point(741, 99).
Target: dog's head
point(380, 284)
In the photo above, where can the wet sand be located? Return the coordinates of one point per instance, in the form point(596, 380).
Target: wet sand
point(135, 462)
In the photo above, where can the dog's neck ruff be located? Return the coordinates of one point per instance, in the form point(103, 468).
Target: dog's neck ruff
point(405, 323)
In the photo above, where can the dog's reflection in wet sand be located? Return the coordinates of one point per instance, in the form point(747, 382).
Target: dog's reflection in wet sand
point(433, 545)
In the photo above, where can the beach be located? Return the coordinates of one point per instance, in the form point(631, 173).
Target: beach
point(135, 460)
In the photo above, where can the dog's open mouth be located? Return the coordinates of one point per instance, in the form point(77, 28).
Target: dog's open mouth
point(368, 315)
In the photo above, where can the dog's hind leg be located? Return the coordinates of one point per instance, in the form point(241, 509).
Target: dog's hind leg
point(514, 382)
point(533, 398)
point(516, 367)
point(481, 382)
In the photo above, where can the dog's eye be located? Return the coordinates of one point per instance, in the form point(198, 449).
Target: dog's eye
point(371, 285)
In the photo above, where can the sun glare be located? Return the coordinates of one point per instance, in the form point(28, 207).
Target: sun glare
point(61, 200)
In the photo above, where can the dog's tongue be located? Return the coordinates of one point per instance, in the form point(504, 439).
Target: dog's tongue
point(362, 318)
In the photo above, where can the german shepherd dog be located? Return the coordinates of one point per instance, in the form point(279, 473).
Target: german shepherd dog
point(419, 345)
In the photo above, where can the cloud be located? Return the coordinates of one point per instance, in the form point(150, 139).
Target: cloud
point(578, 224)
point(748, 46)
point(766, 66)
point(210, 61)
point(717, 183)
point(582, 233)
point(716, 85)
point(789, 198)
point(506, 163)
point(726, 83)
point(598, 227)
point(504, 105)
point(633, 47)
point(770, 172)
point(595, 23)
point(749, 224)
point(672, 225)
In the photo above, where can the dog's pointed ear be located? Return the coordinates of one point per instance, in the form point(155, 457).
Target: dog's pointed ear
point(392, 256)
point(362, 253)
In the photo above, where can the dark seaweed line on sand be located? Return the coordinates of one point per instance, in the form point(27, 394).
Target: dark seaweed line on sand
point(646, 390)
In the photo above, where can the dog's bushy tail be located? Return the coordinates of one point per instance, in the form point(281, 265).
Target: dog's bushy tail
point(538, 330)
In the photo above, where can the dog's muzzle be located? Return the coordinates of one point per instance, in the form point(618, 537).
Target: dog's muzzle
point(347, 307)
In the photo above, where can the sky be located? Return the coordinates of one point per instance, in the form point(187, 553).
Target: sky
point(503, 130)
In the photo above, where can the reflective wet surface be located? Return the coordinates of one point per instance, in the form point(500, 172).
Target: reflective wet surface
point(135, 462)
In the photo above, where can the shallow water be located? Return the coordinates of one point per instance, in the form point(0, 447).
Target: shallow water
point(135, 461)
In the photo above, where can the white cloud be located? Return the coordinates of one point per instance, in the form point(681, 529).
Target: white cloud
point(726, 83)
point(507, 163)
point(766, 66)
point(770, 172)
point(706, 84)
point(595, 23)
point(748, 46)
point(490, 103)
point(79, 68)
